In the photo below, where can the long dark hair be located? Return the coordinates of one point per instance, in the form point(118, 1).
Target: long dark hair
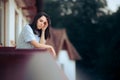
point(34, 25)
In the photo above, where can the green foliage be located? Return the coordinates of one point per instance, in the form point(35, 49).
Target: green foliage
point(96, 38)
point(63, 12)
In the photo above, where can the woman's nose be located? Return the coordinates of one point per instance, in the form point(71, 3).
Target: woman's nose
point(42, 23)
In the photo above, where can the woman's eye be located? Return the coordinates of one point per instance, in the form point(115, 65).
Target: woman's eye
point(40, 20)
point(44, 23)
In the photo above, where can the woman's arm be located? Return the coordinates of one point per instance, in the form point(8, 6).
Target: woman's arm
point(39, 45)
point(42, 38)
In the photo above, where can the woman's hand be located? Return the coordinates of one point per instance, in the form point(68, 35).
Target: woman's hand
point(42, 37)
point(45, 27)
point(51, 49)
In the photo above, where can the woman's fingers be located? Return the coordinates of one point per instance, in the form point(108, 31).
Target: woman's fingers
point(45, 27)
point(53, 53)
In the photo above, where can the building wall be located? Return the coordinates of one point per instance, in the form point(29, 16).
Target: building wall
point(13, 22)
point(66, 64)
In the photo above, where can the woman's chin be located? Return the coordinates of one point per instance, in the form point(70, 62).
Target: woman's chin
point(39, 28)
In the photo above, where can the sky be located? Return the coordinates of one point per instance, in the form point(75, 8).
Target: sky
point(113, 5)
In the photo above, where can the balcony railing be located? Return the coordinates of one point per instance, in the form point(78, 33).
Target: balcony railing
point(28, 64)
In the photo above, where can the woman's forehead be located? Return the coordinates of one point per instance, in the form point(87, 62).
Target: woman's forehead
point(43, 18)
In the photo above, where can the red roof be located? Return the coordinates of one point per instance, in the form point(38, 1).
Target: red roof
point(59, 41)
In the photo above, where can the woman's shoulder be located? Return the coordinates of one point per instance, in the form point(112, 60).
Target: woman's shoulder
point(27, 27)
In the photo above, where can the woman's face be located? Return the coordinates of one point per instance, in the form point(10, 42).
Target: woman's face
point(42, 22)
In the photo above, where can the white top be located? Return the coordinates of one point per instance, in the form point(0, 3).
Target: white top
point(25, 37)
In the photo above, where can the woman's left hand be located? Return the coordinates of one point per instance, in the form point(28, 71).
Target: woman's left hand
point(45, 27)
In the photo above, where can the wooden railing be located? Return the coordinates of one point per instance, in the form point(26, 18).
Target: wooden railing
point(28, 64)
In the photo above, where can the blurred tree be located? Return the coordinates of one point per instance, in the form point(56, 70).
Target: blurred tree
point(109, 60)
point(79, 17)
point(66, 11)
point(93, 32)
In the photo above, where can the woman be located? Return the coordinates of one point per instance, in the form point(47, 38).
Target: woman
point(34, 35)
